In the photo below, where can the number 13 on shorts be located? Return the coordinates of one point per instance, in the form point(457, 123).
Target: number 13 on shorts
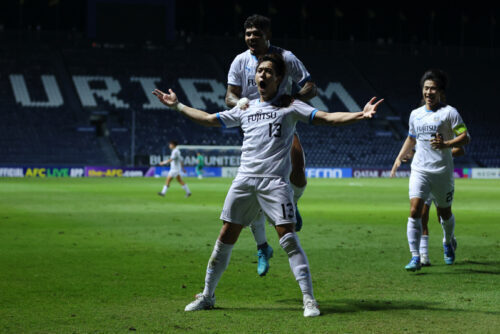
point(288, 210)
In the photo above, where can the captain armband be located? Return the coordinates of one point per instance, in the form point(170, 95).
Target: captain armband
point(459, 129)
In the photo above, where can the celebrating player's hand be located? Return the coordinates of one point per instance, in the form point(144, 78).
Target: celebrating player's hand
point(437, 142)
point(243, 103)
point(395, 167)
point(170, 100)
point(370, 108)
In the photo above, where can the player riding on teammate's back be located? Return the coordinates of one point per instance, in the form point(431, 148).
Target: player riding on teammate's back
point(262, 180)
point(241, 86)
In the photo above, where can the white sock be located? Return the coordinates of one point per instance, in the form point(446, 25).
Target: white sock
point(164, 190)
point(297, 192)
point(448, 229)
point(186, 188)
point(424, 244)
point(216, 265)
point(298, 263)
point(414, 231)
point(258, 227)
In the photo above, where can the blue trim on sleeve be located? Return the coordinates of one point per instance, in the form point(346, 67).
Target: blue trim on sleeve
point(302, 82)
point(220, 120)
point(312, 115)
point(413, 136)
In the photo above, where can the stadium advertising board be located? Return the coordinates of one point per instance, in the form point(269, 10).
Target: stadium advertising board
point(190, 172)
point(11, 172)
point(384, 173)
point(42, 172)
point(211, 160)
point(486, 173)
point(96, 171)
point(462, 173)
point(329, 173)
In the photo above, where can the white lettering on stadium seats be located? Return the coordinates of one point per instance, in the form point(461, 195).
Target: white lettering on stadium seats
point(54, 97)
point(195, 97)
point(148, 84)
point(340, 92)
point(87, 95)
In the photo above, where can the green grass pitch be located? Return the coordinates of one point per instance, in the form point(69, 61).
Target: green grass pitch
point(111, 256)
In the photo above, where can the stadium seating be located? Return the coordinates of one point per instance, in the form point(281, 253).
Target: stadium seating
point(64, 134)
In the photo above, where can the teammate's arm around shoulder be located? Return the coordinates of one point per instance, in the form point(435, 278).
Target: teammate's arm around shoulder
point(233, 95)
point(198, 116)
point(344, 118)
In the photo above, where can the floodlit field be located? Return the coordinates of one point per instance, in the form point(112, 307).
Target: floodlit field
point(111, 256)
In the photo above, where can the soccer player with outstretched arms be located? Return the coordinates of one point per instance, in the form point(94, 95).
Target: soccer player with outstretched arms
point(241, 87)
point(435, 128)
point(262, 182)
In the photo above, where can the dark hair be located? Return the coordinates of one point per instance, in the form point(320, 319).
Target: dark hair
point(438, 76)
point(441, 80)
point(258, 21)
point(278, 62)
point(173, 142)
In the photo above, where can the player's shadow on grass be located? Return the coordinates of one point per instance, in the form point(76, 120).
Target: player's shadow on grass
point(351, 306)
point(481, 263)
point(457, 268)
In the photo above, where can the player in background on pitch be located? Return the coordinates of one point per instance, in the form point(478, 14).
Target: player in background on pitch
point(200, 163)
point(434, 128)
point(241, 87)
point(262, 179)
point(424, 240)
point(176, 166)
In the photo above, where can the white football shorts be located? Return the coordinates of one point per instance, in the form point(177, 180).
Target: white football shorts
point(440, 185)
point(429, 201)
point(248, 195)
point(174, 173)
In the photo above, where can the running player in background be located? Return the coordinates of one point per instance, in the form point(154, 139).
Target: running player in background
point(424, 240)
point(176, 166)
point(242, 88)
point(199, 165)
point(262, 179)
point(435, 128)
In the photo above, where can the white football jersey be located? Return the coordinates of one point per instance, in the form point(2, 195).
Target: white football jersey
point(243, 67)
point(175, 164)
point(423, 124)
point(267, 135)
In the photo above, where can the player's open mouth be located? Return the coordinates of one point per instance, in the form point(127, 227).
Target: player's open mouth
point(262, 84)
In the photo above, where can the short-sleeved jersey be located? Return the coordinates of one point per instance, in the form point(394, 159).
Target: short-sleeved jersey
point(243, 68)
point(175, 164)
point(267, 135)
point(423, 124)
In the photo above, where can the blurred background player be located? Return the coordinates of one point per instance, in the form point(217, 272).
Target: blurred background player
point(424, 240)
point(262, 179)
point(176, 166)
point(435, 128)
point(242, 88)
point(200, 163)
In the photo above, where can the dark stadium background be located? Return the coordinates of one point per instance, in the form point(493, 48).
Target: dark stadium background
point(371, 50)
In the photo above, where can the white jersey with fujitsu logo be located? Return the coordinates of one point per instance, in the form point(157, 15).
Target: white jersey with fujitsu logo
point(267, 135)
point(423, 125)
point(243, 67)
point(175, 164)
